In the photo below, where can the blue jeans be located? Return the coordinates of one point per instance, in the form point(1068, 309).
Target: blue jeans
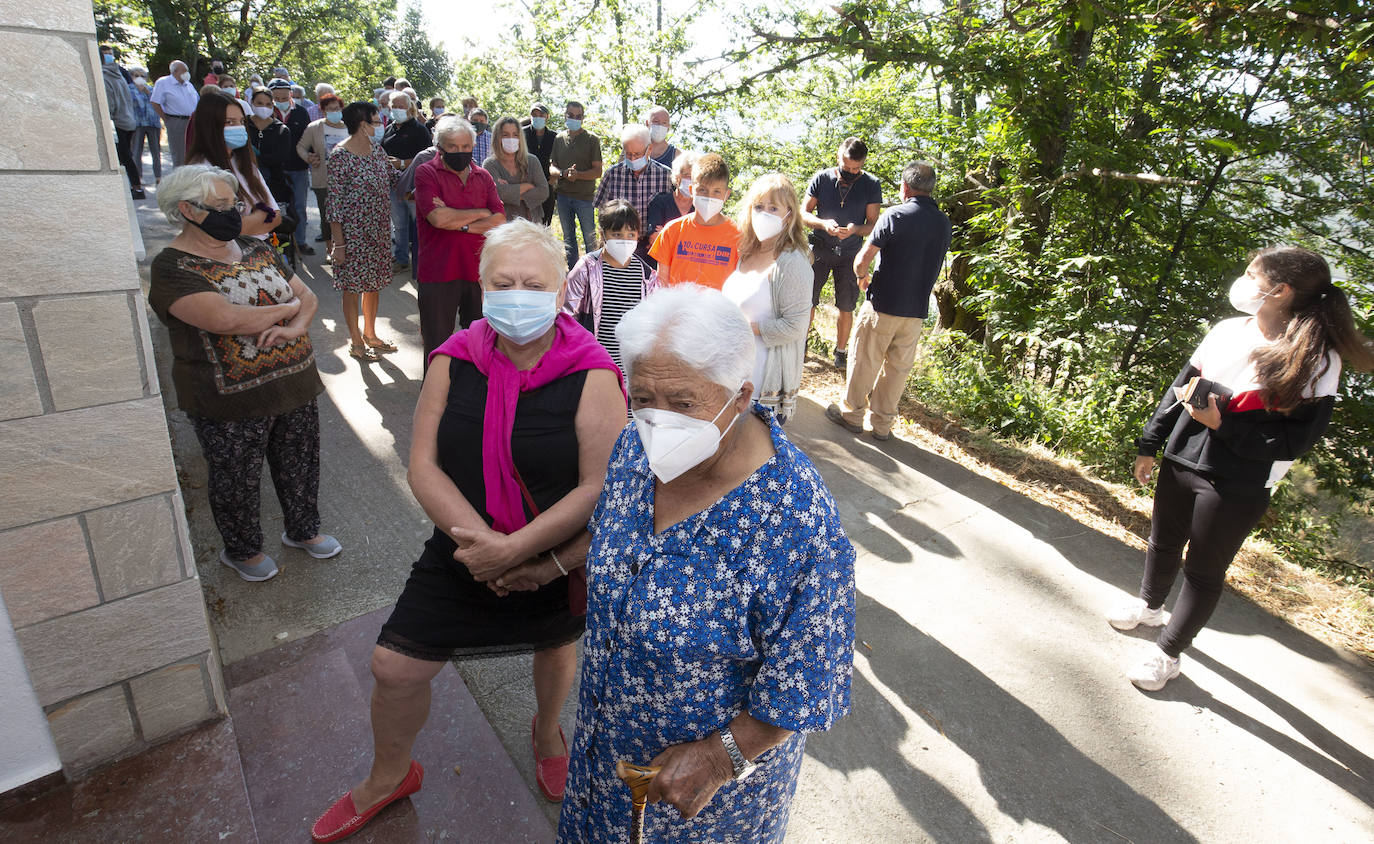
point(300, 189)
point(402, 227)
point(584, 210)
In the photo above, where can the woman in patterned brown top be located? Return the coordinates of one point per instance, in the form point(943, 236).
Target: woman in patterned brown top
point(243, 368)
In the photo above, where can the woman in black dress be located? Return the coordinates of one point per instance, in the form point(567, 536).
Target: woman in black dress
point(513, 431)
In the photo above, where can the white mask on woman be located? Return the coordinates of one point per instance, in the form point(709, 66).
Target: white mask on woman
point(621, 250)
point(263, 112)
point(510, 145)
point(766, 225)
point(676, 442)
point(1246, 295)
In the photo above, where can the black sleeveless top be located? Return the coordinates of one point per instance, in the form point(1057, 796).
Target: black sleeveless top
point(544, 445)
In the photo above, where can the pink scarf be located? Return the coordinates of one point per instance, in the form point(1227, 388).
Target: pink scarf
point(574, 349)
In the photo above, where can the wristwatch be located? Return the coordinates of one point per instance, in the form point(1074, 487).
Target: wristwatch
point(743, 767)
point(464, 228)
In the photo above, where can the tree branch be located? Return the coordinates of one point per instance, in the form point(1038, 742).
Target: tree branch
point(1146, 178)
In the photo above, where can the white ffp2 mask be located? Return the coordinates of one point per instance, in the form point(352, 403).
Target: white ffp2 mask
point(676, 442)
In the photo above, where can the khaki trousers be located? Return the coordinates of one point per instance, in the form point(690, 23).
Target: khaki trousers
point(880, 358)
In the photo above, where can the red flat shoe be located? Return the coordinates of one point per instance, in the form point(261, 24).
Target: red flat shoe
point(551, 772)
point(343, 819)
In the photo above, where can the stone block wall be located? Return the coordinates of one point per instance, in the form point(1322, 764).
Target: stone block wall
point(95, 566)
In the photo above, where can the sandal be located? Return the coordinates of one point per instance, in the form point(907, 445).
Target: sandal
point(363, 352)
point(379, 345)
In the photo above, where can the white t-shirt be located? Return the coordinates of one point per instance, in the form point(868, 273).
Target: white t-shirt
point(754, 296)
point(333, 137)
point(1224, 357)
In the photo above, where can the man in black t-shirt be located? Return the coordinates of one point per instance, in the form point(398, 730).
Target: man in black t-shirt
point(539, 141)
point(913, 238)
point(841, 207)
point(296, 118)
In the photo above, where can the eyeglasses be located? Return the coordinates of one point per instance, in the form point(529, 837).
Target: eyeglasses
point(239, 206)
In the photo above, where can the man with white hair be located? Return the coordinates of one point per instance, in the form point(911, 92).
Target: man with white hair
point(636, 178)
point(456, 204)
point(321, 89)
point(405, 138)
point(659, 123)
point(174, 99)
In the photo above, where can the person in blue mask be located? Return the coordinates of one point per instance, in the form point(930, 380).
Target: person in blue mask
point(513, 428)
point(361, 177)
point(219, 136)
point(405, 136)
point(539, 142)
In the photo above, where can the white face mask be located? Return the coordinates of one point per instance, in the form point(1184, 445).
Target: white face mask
point(676, 442)
point(232, 91)
point(766, 225)
point(707, 207)
point(621, 250)
point(657, 133)
point(263, 112)
point(1246, 295)
point(686, 185)
point(510, 145)
point(184, 76)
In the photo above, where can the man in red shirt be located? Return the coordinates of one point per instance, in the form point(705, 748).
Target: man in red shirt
point(456, 204)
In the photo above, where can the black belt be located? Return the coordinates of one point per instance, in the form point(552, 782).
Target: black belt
point(177, 116)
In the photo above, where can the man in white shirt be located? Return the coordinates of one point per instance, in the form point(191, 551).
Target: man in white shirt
point(174, 99)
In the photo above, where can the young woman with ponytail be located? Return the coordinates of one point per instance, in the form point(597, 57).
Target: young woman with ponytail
point(1270, 386)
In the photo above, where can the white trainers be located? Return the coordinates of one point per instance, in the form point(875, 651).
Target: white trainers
point(1129, 616)
point(1157, 669)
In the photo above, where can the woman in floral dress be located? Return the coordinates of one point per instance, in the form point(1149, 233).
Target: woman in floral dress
point(720, 613)
point(360, 180)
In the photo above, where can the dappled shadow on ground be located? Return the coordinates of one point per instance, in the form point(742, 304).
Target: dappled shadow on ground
point(1352, 770)
point(1029, 768)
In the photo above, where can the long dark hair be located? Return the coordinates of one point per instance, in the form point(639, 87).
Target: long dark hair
point(1321, 322)
point(207, 144)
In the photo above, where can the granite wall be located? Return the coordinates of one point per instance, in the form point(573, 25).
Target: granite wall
point(95, 563)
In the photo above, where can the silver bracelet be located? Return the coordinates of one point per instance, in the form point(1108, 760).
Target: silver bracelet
point(554, 557)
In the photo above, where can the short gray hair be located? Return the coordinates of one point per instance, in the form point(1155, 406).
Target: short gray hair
point(696, 325)
point(190, 183)
point(919, 177)
point(298, 91)
point(634, 132)
point(655, 109)
point(452, 124)
point(395, 95)
point(323, 88)
point(530, 243)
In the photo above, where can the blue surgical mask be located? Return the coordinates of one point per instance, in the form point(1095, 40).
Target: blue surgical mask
point(377, 132)
point(438, 110)
point(334, 116)
point(637, 164)
point(235, 136)
point(400, 115)
point(537, 122)
point(573, 124)
point(109, 59)
point(520, 315)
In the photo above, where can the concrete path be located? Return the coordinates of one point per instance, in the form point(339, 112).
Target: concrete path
point(988, 701)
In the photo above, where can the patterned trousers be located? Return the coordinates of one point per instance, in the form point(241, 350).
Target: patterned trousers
point(233, 452)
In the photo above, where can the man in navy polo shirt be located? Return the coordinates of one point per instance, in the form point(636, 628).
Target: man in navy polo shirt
point(912, 238)
point(842, 204)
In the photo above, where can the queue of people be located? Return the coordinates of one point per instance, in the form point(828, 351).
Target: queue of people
point(705, 654)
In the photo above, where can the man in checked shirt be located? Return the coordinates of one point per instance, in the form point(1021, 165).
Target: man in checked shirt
point(637, 178)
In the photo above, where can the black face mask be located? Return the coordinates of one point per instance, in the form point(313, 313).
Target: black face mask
point(458, 161)
point(849, 178)
point(221, 225)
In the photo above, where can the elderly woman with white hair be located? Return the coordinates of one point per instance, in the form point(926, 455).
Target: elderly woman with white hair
point(512, 432)
point(720, 614)
point(636, 178)
point(243, 366)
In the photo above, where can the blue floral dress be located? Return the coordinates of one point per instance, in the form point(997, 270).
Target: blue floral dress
point(747, 604)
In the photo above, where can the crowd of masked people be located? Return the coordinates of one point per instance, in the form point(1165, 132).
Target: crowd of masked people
point(695, 552)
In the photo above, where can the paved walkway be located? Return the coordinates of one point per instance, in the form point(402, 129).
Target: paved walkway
point(988, 702)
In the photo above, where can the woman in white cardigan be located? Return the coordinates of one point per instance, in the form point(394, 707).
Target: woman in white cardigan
point(772, 286)
point(317, 141)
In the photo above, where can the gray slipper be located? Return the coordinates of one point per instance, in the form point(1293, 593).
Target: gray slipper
point(327, 547)
point(265, 570)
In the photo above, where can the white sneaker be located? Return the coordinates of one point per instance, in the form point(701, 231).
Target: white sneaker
point(1157, 669)
point(1129, 616)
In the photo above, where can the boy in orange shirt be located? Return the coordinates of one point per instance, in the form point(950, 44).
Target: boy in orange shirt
point(702, 247)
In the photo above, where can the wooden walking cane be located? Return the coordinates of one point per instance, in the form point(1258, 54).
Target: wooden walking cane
point(637, 777)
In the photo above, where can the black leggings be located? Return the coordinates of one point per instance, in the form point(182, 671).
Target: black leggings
point(1213, 518)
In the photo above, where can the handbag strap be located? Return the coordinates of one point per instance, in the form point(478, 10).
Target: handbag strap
point(525, 491)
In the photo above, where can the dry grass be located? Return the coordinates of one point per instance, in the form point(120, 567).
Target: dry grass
point(1333, 611)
